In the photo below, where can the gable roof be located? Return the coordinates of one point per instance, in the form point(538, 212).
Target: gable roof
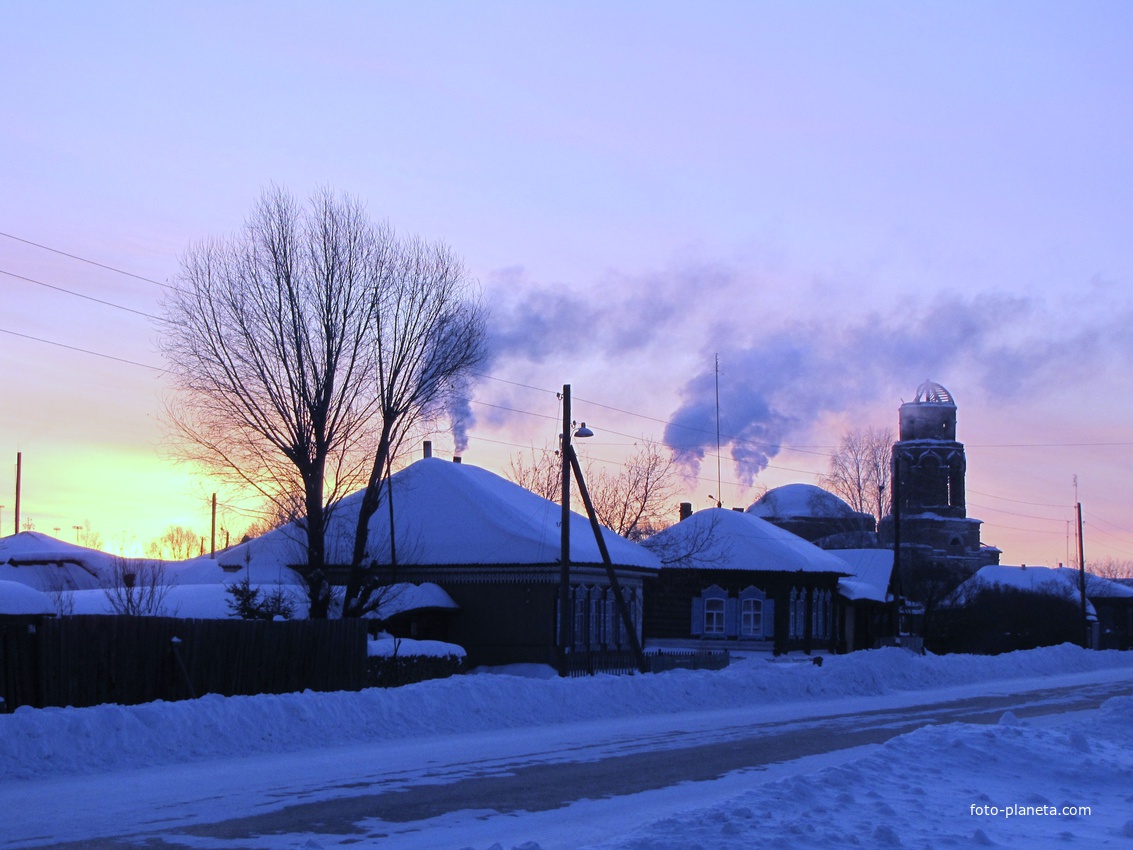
point(447, 514)
point(718, 538)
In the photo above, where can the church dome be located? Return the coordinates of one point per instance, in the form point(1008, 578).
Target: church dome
point(931, 392)
point(793, 501)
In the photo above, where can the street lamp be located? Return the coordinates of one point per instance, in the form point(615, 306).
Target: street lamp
point(570, 463)
point(565, 451)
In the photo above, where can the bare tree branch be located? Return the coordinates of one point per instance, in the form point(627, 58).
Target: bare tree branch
point(859, 471)
point(541, 474)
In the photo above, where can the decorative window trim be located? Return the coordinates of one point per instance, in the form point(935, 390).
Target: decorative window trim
point(720, 605)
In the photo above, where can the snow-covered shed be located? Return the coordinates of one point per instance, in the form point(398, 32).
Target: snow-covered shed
point(731, 578)
point(493, 546)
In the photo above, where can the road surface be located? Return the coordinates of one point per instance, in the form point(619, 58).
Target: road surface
point(394, 793)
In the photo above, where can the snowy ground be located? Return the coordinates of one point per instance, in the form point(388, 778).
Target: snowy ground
point(80, 774)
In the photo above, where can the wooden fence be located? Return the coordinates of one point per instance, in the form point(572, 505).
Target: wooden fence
point(88, 660)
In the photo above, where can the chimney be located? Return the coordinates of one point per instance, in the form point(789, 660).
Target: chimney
point(428, 448)
point(456, 458)
point(686, 510)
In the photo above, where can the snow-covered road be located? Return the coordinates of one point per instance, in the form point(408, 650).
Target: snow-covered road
point(569, 784)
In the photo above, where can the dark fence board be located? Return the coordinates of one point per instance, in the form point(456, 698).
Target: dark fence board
point(89, 659)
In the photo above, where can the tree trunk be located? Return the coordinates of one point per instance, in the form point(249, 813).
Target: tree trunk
point(318, 592)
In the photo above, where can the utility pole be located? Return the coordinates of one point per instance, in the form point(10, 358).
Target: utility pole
point(1082, 576)
point(19, 474)
point(213, 551)
point(895, 476)
point(565, 620)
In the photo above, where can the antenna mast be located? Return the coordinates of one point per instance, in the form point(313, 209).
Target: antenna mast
point(719, 478)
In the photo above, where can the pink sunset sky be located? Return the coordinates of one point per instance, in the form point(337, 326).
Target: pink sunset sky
point(839, 200)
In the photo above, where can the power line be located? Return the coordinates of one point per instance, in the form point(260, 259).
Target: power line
point(1018, 501)
point(81, 350)
point(85, 260)
point(77, 294)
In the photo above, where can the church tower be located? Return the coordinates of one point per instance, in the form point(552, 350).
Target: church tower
point(928, 463)
point(939, 542)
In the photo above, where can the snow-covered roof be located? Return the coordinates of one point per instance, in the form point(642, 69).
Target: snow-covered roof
point(414, 597)
point(1096, 586)
point(17, 598)
point(800, 500)
point(43, 562)
point(445, 514)
point(1061, 581)
point(718, 538)
point(46, 563)
point(870, 571)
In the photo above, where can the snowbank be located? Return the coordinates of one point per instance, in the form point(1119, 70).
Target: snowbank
point(39, 742)
point(953, 785)
point(388, 646)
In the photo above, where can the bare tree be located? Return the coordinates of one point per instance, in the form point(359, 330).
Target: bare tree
point(698, 548)
point(1110, 567)
point(61, 592)
point(137, 588)
point(176, 544)
point(540, 472)
point(430, 336)
point(636, 500)
point(88, 538)
point(859, 470)
point(269, 339)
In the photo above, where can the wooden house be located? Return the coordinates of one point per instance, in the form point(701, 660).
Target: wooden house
point(730, 579)
point(494, 548)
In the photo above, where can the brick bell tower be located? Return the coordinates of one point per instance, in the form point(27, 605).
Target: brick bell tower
point(928, 463)
point(928, 466)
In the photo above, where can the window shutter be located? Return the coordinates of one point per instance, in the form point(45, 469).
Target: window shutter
point(698, 615)
point(768, 619)
point(731, 618)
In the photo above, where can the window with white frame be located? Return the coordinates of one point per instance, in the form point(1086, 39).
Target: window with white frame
point(597, 618)
point(822, 615)
point(580, 610)
point(714, 616)
point(751, 618)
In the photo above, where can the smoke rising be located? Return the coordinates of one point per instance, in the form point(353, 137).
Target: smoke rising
point(774, 386)
point(780, 374)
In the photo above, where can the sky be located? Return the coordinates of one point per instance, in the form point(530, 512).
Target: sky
point(838, 201)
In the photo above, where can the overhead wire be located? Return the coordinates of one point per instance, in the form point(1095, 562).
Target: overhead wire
point(66, 291)
point(85, 260)
point(82, 350)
